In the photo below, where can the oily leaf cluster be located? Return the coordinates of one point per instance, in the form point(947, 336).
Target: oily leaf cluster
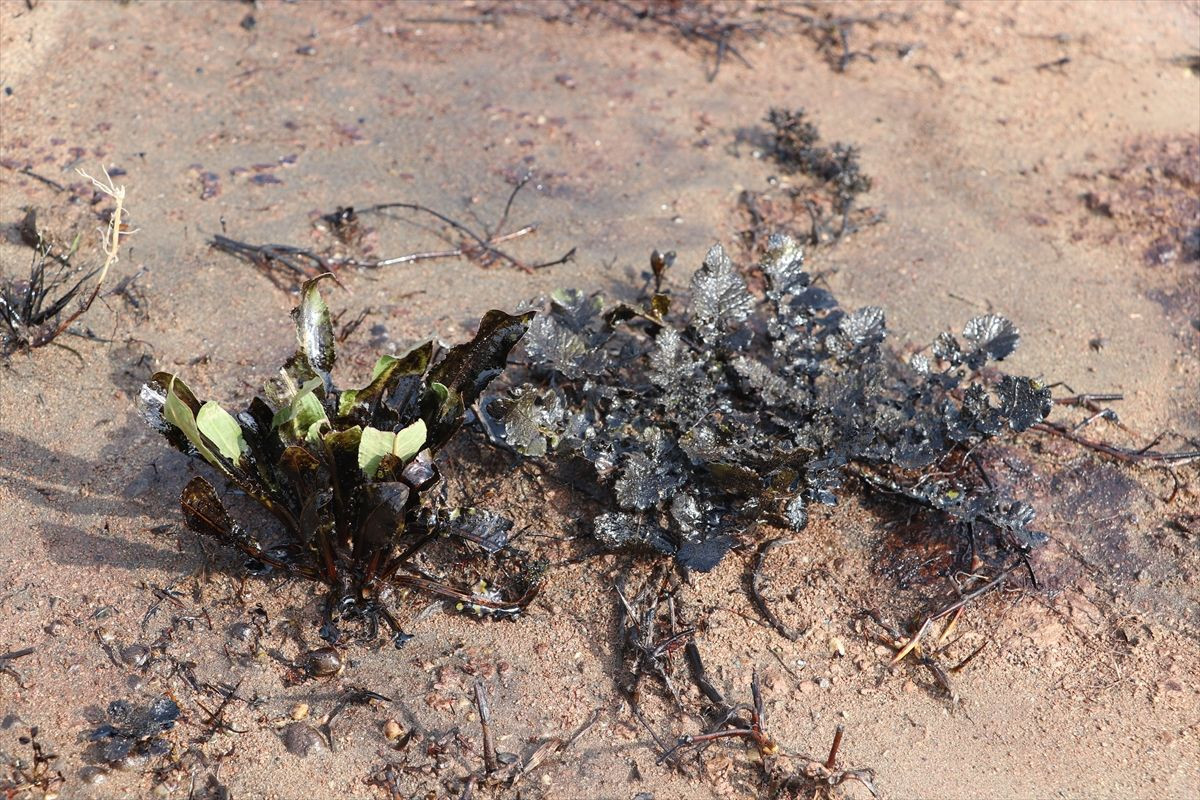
point(831, 181)
point(135, 730)
point(349, 474)
point(744, 408)
point(36, 310)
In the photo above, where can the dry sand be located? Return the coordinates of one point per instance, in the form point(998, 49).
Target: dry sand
point(981, 161)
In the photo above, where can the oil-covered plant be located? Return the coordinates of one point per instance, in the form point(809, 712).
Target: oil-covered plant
point(133, 732)
point(35, 312)
point(824, 185)
point(34, 776)
point(349, 474)
point(744, 409)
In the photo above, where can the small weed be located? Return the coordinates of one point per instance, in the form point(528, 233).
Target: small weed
point(350, 473)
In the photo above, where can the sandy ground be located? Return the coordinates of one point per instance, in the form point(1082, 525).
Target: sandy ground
point(1011, 179)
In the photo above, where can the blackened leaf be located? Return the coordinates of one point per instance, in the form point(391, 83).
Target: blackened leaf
point(301, 467)
point(643, 483)
point(522, 429)
point(946, 348)
point(686, 511)
point(314, 330)
point(342, 447)
point(161, 715)
point(151, 405)
point(759, 377)
point(796, 513)
point(265, 446)
point(736, 478)
point(703, 553)
point(384, 507)
point(719, 294)
point(619, 529)
point(814, 298)
point(864, 327)
point(1023, 401)
point(116, 748)
point(358, 404)
point(672, 365)
point(205, 514)
point(469, 367)
point(701, 444)
point(783, 264)
point(442, 410)
point(552, 342)
point(578, 311)
point(485, 528)
point(533, 422)
point(993, 334)
point(420, 473)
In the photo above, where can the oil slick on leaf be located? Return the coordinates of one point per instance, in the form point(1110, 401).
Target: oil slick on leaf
point(739, 409)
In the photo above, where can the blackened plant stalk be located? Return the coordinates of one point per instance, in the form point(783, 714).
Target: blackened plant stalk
point(35, 312)
point(741, 409)
point(349, 474)
point(834, 172)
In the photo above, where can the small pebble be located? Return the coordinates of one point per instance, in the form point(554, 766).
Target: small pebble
point(135, 655)
point(392, 730)
point(299, 711)
point(322, 662)
point(303, 740)
point(105, 635)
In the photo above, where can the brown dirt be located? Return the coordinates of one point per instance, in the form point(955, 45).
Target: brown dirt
point(981, 160)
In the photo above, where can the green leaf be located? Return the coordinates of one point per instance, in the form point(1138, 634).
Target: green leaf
point(374, 445)
point(222, 430)
point(181, 415)
point(304, 407)
point(382, 364)
point(410, 441)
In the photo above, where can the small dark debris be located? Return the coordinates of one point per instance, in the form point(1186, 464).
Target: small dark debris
point(303, 740)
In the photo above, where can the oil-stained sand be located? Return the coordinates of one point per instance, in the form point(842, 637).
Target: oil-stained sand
point(981, 161)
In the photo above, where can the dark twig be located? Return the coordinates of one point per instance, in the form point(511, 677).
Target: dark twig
point(756, 582)
point(305, 264)
point(353, 696)
point(638, 622)
point(485, 244)
point(821, 778)
point(485, 719)
point(1120, 453)
point(28, 171)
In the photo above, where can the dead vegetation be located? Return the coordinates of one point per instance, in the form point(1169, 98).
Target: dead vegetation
point(35, 312)
point(352, 243)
